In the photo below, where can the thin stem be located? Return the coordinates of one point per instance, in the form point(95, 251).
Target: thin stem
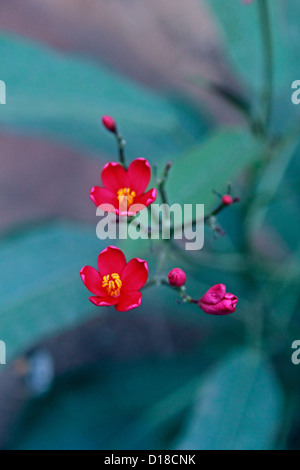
point(208, 218)
point(163, 181)
point(152, 282)
point(159, 281)
point(215, 212)
point(267, 41)
point(121, 147)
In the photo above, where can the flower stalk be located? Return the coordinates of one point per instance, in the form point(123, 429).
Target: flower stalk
point(267, 42)
point(121, 147)
point(163, 181)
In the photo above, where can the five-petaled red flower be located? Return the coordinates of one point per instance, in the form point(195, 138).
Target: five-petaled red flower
point(124, 190)
point(117, 282)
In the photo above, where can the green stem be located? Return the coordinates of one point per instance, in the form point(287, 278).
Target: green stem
point(152, 282)
point(162, 183)
point(121, 147)
point(215, 212)
point(207, 219)
point(267, 42)
point(160, 281)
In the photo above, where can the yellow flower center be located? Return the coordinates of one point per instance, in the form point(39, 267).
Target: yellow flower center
point(126, 197)
point(113, 284)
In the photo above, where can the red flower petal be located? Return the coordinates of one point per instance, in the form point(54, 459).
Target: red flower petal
point(231, 301)
point(129, 301)
point(135, 275)
point(107, 301)
point(218, 309)
point(215, 295)
point(147, 198)
point(114, 177)
point(104, 198)
point(111, 260)
point(139, 175)
point(92, 280)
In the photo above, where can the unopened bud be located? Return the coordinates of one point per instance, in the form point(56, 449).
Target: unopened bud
point(227, 200)
point(218, 302)
point(109, 124)
point(177, 277)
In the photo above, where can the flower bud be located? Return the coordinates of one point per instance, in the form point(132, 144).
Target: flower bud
point(227, 200)
point(109, 124)
point(217, 302)
point(177, 278)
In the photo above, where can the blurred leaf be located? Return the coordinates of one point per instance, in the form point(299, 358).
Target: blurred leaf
point(64, 97)
point(242, 30)
point(220, 159)
point(241, 25)
point(267, 188)
point(41, 292)
point(93, 409)
point(232, 97)
point(239, 408)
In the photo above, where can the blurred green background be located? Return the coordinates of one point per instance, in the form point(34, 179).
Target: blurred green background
point(187, 82)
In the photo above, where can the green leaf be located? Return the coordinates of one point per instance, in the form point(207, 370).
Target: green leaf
point(212, 165)
point(241, 26)
point(239, 408)
point(106, 400)
point(63, 97)
point(41, 292)
point(235, 99)
point(269, 185)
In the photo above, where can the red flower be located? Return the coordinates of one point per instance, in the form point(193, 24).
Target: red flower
point(177, 277)
point(124, 190)
point(217, 302)
point(117, 282)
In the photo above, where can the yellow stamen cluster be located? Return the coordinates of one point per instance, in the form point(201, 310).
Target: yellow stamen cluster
point(113, 284)
point(126, 196)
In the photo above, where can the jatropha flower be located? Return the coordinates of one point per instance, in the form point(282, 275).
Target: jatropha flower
point(177, 277)
point(117, 282)
point(124, 190)
point(217, 302)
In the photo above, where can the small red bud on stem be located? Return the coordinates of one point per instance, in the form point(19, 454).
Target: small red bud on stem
point(177, 277)
point(227, 200)
point(110, 124)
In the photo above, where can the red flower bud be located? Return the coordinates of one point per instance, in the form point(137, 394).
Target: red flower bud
point(227, 200)
point(110, 124)
point(177, 278)
point(217, 302)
